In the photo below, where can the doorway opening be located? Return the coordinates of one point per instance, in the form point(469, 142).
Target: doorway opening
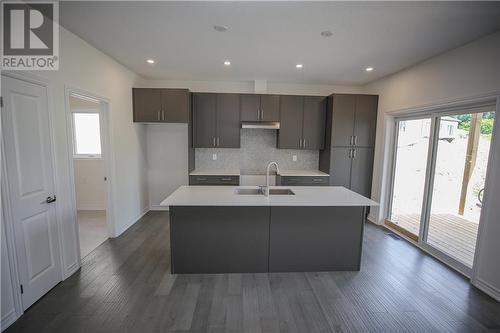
point(89, 171)
point(439, 173)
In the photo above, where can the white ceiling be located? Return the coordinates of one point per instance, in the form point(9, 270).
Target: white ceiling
point(267, 39)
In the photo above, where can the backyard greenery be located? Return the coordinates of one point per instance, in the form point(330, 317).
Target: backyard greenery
point(486, 122)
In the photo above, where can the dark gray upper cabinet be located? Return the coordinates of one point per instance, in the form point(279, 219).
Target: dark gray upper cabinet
point(344, 108)
point(146, 105)
point(204, 120)
point(366, 120)
point(161, 105)
point(291, 119)
point(269, 107)
point(175, 105)
point(302, 122)
point(260, 107)
point(216, 120)
point(314, 122)
point(250, 107)
point(354, 120)
point(228, 121)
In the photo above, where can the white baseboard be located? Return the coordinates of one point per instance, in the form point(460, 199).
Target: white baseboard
point(70, 270)
point(157, 207)
point(487, 288)
point(8, 319)
point(124, 228)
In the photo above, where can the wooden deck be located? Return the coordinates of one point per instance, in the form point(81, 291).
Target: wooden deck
point(449, 233)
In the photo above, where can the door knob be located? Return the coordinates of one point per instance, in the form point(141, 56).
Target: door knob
point(49, 200)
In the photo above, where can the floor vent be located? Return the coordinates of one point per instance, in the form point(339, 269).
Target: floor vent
point(390, 234)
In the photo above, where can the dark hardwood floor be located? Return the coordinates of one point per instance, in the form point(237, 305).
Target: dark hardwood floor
point(125, 286)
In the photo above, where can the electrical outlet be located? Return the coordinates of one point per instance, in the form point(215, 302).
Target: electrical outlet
point(294, 158)
point(214, 157)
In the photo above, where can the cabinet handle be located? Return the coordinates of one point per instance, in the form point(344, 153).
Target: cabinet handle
point(159, 118)
point(350, 140)
point(354, 153)
point(350, 153)
point(218, 141)
point(226, 179)
point(304, 143)
point(261, 113)
point(258, 114)
point(214, 141)
point(317, 180)
point(355, 142)
point(201, 179)
point(163, 115)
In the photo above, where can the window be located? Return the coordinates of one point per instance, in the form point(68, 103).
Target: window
point(87, 135)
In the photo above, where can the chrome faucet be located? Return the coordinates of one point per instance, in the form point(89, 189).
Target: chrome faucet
point(266, 189)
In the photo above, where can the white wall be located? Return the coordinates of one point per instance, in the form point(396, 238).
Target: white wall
point(86, 68)
point(90, 186)
point(167, 151)
point(167, 143)
point(460, 74)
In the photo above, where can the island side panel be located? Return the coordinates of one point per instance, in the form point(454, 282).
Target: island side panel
point(310, 239)
point(214, 239)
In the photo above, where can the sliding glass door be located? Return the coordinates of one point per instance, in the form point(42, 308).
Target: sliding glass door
point(439, 174)
point(411, 151)
point(458, 179)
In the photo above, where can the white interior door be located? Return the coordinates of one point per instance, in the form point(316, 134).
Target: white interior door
point(26, 134)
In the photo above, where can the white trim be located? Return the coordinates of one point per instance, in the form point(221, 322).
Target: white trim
point(8, 319)
point(487, 288)
point(131, 222)
point(106, 156)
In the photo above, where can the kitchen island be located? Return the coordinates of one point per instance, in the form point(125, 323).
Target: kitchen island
point(233, 229)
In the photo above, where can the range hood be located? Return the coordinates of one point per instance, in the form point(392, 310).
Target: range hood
point(273, 125)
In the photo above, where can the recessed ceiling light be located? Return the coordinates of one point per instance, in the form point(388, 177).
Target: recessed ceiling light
point(150, 61)
point(299, 66)
point(326, 33)
point(368, 69)
point(221, 28)
point(227, 63)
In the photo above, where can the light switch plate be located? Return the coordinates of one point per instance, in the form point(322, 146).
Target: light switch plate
point(214, 157)
point(294, 158)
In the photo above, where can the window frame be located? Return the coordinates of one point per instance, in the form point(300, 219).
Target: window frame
point(77, 156)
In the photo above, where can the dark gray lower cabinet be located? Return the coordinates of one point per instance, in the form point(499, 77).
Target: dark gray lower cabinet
point(311, 239)
point(213, 180)
point(302, 180)
point(230, 239)
point(219, 239)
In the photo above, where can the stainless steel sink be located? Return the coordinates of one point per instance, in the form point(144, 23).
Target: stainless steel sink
point(281, 191)
point(249, 191)
point(260, 191)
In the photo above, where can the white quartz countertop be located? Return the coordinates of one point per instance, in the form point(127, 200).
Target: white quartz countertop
point(302, 173)
point(304, 196)
point(215, 172)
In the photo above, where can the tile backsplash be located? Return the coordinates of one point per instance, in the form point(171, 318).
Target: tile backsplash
point(258, 148)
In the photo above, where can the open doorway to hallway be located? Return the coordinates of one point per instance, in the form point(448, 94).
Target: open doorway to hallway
point(89, 172)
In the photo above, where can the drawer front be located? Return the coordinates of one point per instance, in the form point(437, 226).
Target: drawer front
point(303, 181)
point(214, 180)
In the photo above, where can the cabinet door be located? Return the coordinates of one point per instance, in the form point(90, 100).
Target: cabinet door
point(290, 132)
point(340, 167)
point(365, 120)
point(175, 105)
point(250, 107)
point(147, 104)
point(344, 107)
point(204, 120)
point(314, 123)
point(362, 170)
point(228, 121)
point(270, 107)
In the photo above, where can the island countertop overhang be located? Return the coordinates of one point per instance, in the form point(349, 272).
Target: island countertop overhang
point(304, 196)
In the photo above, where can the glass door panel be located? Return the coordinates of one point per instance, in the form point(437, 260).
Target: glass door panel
point(458, 182)
point(412, 147)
